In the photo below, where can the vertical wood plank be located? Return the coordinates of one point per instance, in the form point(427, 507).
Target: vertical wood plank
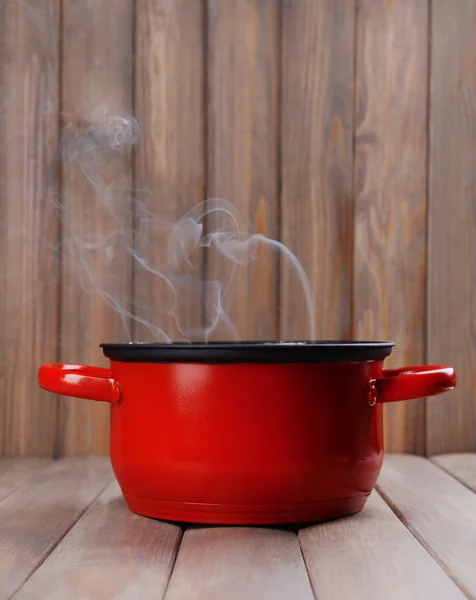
point(28, 222)
point(316, 202)
point(451, 425)
point(169, 94)
point(240, 562)
point(97, 88)
point(243, 150)
point(390, 195)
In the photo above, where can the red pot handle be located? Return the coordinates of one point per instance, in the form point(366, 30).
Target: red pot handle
point(80, 381)
point(414, 382)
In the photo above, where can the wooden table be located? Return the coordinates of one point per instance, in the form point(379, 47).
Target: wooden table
point(65, 532)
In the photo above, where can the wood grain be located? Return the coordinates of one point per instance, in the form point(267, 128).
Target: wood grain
point(169, 165)
point(439, 511)
point(242, 153)
point(28, 223)
point(236, 563)
point(451, 419)
point(461, 466)
point(37, 516)
point(109, 553)
point(97, 93)
point(373, 556)
point(390, 190)
point(14, 472)
point(316, 198)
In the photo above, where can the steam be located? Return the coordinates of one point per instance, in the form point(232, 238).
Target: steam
point(165, 255)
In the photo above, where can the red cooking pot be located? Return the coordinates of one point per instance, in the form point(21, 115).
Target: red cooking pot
point(247, 432)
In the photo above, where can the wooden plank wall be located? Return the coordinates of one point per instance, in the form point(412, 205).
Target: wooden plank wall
point(242, 150)
point(451, 331)
point(344, 129)
point(29, 224)
point(170, 157)
point(316, 201)
point(92, 91)
point(390, 194)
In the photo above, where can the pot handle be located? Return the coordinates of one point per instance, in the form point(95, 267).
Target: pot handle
point(413, 382)
point(80, 381)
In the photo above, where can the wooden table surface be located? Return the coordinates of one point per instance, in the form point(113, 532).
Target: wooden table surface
point(66, 532)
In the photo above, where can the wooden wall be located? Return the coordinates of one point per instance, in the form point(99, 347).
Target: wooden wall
point(346, 129)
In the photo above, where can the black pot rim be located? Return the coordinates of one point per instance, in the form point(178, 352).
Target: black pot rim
point(272, 352)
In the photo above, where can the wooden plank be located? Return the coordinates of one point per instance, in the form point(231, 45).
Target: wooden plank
point(316, 199)
point(451, 335)
point(373, 556)
point(14, 472)
point(37, 516)
point(461, 466)
point(237, 563)
point(390, 191)
point(97, 93)
point(242, 154)
point(109, 553)
point(439, 511)
point(28, 223)
point(169, 100)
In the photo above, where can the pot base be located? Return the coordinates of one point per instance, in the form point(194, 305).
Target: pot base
point(246, 514)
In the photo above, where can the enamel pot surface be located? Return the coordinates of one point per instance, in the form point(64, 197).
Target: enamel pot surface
point(247, 433)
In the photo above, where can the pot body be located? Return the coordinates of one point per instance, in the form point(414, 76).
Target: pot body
point(246, 443)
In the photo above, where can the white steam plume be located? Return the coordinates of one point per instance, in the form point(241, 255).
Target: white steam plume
point(165, 252)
